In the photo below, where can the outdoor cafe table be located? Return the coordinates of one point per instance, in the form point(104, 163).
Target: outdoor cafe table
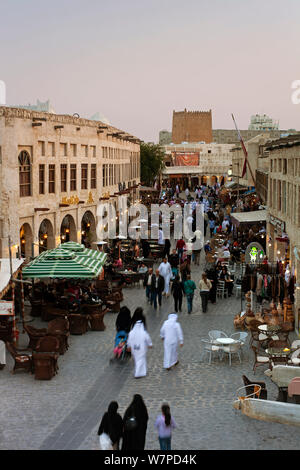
point(225, 341)
point(269, 330)
point(279, 352)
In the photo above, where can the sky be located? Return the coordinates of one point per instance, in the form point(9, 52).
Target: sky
point(135, 61)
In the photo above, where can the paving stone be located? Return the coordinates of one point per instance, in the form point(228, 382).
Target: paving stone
point(65, 413)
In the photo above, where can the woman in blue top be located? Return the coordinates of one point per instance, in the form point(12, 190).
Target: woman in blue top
point(165, 424)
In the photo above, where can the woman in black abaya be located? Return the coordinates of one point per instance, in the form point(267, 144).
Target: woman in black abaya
point(135, 429)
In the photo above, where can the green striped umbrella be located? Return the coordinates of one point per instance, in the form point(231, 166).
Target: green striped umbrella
point(60, 263)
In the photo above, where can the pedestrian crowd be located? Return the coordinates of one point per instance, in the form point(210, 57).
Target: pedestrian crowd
point(132, 428)
point(172, 277)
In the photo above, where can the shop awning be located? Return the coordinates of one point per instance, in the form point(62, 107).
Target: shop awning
point(61, 263)
point(249, 217)
point(5, 272)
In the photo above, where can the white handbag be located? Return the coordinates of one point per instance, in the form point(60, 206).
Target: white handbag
point(105, 442)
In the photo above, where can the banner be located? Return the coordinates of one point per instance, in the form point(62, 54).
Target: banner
point(186, 159)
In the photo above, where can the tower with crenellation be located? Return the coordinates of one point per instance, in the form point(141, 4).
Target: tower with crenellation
point(192, 126)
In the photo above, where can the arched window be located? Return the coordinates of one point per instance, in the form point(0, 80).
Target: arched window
point(24, 174)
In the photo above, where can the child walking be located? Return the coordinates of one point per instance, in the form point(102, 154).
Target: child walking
point(165, 424)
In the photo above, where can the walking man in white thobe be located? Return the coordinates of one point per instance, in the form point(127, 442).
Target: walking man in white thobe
point(165, 271)
point(171, 333)
point(138, 343)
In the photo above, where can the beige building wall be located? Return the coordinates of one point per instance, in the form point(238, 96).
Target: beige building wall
point(284, 208)
point(253, 148)
point(51, 139)
point(214, 160)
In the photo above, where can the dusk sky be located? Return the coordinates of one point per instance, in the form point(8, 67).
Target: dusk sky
point(135, 61)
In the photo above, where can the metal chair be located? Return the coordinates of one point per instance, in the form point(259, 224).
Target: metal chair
point(233, 348)
point(237, 290)
point(210, 347)
point(214, 334)
point(295, 357)
point(241, 336)
point(259, 360)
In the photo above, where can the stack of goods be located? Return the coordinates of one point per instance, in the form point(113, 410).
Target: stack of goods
point(288, 314)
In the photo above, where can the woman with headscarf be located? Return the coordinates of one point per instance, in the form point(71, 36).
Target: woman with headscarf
point(112, 425)
point(138, 343)
point(135, 425)
point(138, 316)
point(123, 321)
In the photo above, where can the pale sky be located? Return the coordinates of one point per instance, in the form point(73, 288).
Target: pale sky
point(135, 61)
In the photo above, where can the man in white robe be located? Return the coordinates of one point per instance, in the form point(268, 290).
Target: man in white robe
point(171, 333)
point(138, 343)
point(165, 271)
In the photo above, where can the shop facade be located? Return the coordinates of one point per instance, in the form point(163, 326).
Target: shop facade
point(54, 171)
point(283, 224)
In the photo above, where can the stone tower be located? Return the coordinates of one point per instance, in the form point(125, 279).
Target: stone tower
point(192, 126)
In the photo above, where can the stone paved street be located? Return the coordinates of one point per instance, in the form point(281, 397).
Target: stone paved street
point(65, 412)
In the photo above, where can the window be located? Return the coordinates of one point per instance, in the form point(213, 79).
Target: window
point(280, 165)
point(284, 197)
point(51, 149)
point(41, 179)
point(84, 176)
point(103, 175)
point(64, 150)
point(63, 178)
point(93, 150)
point(51, 187)
point(73, 150)
point(93, 176)
point(73, 177)
point(42, 148)
point(284, 166)
point(85, 150)
point(24, 174)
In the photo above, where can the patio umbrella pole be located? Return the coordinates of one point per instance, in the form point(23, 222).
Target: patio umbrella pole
point(22, 302)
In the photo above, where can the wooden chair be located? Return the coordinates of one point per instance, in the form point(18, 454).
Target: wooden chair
point(49, 345)
point(45, 365)
point(263, 393)
point(34, 335)
point(60, 329)
point(78, 323)
point(37, 306)
point(22, 360)
point(96, 320)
